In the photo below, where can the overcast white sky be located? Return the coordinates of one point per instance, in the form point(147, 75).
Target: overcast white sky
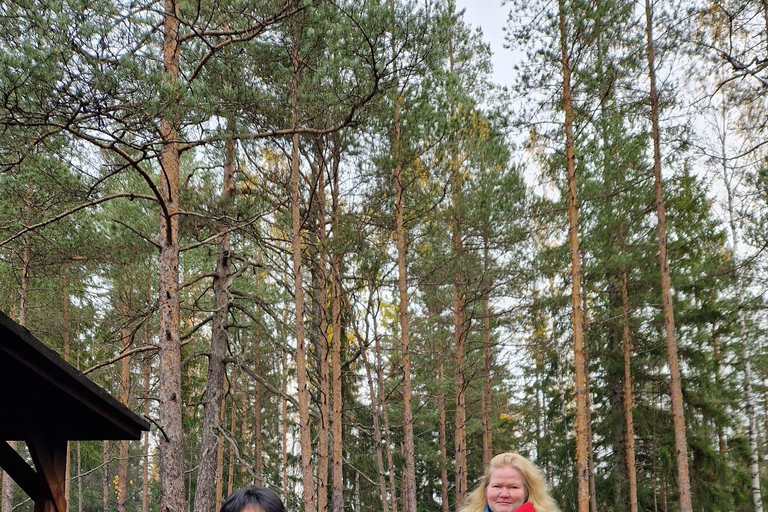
point(491, 17)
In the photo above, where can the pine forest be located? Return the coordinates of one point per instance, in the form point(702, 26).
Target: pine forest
point(321, 250)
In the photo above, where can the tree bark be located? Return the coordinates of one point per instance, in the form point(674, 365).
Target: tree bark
point(220, 460)
point(323, 337)
point(79, 479)
point(385, 418)
point(284, 421)
point(442, 438)
point(628, 397)
point(459, 329)
point(376, 430)
point(336, 383)
point(409, 478)
point(214, 387)
point(580, 377)
point(257, 439)
point(486, 395)
point(65, 328)
point(231, 465)
point(749, 395)
point(678, 412)
point(26, 264)
point(302, 381)
point(170, 398)
point(105, 475)
point(125, 386)
point(145, 435)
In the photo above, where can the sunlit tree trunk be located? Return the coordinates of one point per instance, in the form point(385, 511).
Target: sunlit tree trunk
point(678, 413)
point(580, 378)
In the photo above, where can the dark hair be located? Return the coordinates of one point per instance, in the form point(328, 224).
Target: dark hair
point(250, 496)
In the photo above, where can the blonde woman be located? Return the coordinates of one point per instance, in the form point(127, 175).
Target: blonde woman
point(511, 483)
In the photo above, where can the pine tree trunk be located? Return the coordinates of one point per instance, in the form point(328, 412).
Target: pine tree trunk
point(245, 440)
point(336, 383)
point(749, 397)
point(65, 328)
point(580, 378)
point(170, 397)
point(302, 381)
point(321, 305)
point(590, 445)
point(219, 496)
point(442, 438)
point(79, 479)
point(486, 396)
point(257, 449)
point(459, 314)
point(409, 478)
point(615, 383)
point(231, 465)
point(385, 419)
point(376, 430)
point(125, 386)
point(628, 397)
point(26, 263)
point(284, 421)
point(214, 387)
point(145, 464)
point(678, 413)
point(105, 476)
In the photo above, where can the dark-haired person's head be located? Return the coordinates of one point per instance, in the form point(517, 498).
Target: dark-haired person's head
point(253, 499)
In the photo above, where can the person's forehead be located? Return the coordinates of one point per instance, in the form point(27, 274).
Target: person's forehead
point(253, 507)
point(506, 473)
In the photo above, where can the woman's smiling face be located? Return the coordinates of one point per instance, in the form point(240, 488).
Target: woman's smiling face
point(506, 489)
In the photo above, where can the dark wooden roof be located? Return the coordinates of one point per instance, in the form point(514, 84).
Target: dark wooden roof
point(42, 393)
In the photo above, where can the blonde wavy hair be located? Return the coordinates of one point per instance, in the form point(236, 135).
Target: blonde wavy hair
point(533, 479)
